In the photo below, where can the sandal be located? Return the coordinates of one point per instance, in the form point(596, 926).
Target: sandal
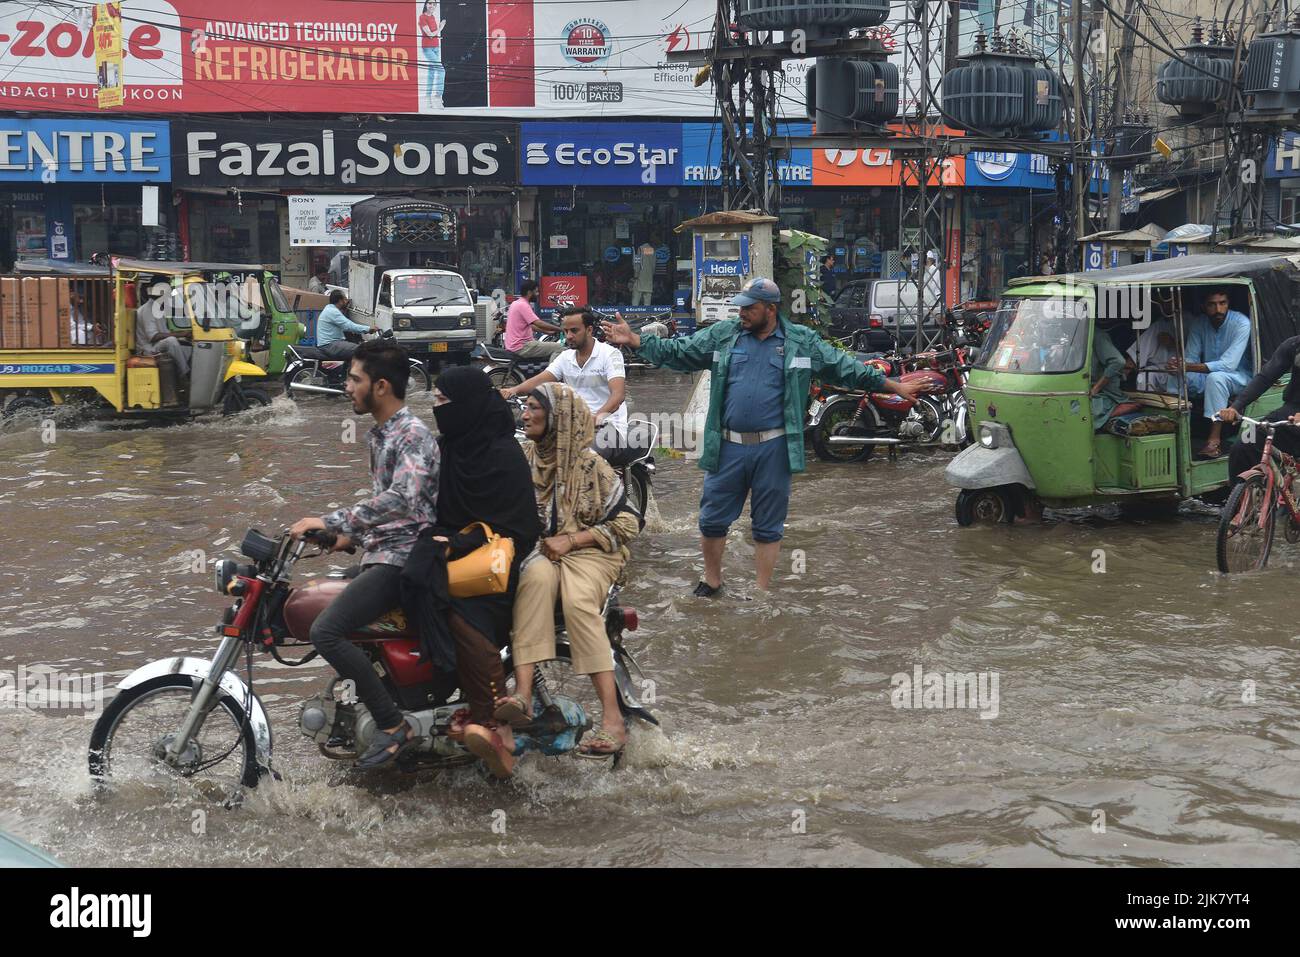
point(513, 711)
point(485, 744)
point(378, 755)
point(600, 746)
point(1210, 451)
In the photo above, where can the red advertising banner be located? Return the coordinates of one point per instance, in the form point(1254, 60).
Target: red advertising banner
point(363, 56)
point(559, 291)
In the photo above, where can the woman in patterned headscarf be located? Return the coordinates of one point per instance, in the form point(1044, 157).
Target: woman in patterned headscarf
point(586, 525)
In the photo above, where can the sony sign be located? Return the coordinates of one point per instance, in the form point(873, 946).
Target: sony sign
point(233, 154)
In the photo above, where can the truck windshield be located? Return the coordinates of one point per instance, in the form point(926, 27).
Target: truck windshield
point(1037, 336)
point(429, 291)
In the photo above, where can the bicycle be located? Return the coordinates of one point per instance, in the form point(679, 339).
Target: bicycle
point(1249, 517)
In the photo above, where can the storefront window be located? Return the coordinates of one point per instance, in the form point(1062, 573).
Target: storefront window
point(621, 240)
point(112, 229)
point(487, 244)
point(861, 228)
point(997, 242)
point(223, 231)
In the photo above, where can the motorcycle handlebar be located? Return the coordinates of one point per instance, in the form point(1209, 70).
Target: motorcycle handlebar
point(326, 540)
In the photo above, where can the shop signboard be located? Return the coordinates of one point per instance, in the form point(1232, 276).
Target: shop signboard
point(74, 150)
point(877, 167)
point(601, 154)
point(1093, 257)
point(1283, 157)
point(559, 291)
point(322, 220)
point(315, 155)
point(702, 155)
point(1009, 170)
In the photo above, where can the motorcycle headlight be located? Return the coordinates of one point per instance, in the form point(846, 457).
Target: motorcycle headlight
point(225, 573)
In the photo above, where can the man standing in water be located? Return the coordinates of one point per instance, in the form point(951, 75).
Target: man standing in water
point(761, 366)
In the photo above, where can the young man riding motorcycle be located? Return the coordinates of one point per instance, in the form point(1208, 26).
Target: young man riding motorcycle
point(404, 475)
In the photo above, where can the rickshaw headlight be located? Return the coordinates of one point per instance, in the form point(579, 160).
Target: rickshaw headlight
point(988, 437)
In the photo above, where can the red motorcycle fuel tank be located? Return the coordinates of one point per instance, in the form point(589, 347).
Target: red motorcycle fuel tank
point(399, 644)
point(936, 381)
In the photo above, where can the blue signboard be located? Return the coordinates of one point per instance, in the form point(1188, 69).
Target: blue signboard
point(1015, 170)
point(1283, 157)
point(702, 155)
point(73, 150)
point(523, 261)
point(1093, 257)
point(601, 154)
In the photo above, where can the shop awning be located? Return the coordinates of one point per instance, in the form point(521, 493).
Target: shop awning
point(1151, 195)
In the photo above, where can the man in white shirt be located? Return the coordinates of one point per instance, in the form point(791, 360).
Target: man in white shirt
point(320, 283)
point(591, 368)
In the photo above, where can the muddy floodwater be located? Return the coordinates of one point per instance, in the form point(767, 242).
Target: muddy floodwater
point(1132, 706)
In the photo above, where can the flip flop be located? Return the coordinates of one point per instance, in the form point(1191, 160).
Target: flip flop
point(485, 744)
point(585, 750)
point(513, 711)
point(378, 756)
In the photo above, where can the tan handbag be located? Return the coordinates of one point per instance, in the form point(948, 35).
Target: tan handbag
point(484, 571)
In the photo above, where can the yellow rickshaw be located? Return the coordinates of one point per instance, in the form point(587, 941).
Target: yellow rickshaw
point(68, 333)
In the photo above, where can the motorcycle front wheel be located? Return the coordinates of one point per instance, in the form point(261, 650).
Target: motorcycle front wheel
point(131, 735)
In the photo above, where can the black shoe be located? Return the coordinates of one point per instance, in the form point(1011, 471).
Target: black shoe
point(705, 590)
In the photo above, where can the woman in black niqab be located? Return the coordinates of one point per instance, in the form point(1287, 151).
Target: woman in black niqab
point(483, 476)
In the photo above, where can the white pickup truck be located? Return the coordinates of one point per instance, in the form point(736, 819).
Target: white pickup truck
point(428, 310)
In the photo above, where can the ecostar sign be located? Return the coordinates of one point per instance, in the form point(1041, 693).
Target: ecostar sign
point(612, 154)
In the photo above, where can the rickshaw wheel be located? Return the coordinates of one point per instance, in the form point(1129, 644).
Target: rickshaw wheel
point(27, 403)
point(243, 399)
point(1242, 545)
point(985, 506)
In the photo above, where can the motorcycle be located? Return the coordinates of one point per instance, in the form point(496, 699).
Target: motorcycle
point(308, 371)
point(847, 426)
point(631, 358)
point(189, 716)
point(505, 368)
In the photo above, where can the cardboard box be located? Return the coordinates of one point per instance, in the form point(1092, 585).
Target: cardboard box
point(11, 314)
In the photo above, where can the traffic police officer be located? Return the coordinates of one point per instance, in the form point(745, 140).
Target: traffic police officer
point(761, 366)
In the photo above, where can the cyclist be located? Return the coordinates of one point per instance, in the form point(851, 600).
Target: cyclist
point(1245, 455)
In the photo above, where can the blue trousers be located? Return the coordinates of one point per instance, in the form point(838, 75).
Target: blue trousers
point(761, 472)
point(434, 70)
point(1217, 387)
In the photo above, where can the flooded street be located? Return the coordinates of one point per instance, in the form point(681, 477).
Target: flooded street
point(1145, 714)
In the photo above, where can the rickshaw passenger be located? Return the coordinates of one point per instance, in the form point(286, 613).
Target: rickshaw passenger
point(1154, 348)
point(152, 335)
point(1217, 361)
point(1107, 373)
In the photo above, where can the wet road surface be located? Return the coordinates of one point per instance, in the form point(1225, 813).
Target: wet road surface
point(1145, 714)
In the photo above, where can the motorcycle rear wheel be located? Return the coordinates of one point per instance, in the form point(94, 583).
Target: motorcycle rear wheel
point(420, 383)
point(837, 422)
point(637, 491)
point(504, 377)
point(304, 375)
point(114, 756)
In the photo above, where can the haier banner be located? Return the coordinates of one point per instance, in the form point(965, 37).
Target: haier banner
point(601, 154)
point(702, 155)
point(1015, 170)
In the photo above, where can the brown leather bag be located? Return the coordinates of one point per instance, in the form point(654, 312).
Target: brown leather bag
point(484, 571)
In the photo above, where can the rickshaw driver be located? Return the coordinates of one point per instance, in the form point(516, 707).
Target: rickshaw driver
point(152, 335)
point(1217, 361)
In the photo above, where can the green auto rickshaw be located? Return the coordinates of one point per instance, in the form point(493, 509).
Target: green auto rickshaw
point(1036, 441)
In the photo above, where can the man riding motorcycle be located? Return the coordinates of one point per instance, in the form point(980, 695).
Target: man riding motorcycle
point(404, 475)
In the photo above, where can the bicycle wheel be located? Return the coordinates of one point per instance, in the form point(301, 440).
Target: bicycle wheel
point(1246, 527)
point(420, 383)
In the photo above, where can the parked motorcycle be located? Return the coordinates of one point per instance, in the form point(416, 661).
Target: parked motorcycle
point(199, 719)
point(847, 425)
point(310, 372)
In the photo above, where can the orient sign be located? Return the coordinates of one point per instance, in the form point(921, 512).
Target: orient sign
point(389, 154)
